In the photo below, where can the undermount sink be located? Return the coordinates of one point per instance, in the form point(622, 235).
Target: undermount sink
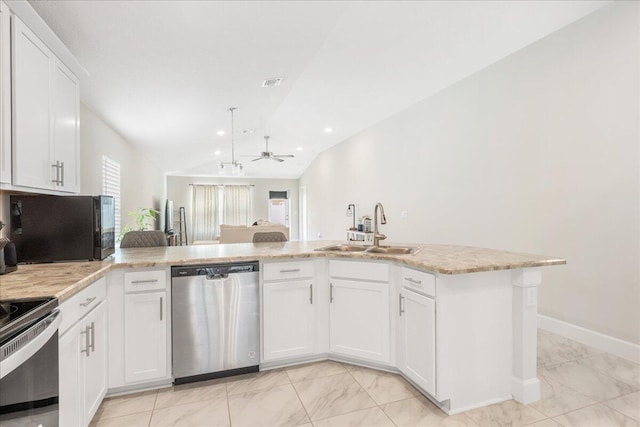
point(342, 248)
point(392, 250)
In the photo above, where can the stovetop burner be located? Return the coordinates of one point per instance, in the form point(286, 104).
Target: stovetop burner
point(17, 314)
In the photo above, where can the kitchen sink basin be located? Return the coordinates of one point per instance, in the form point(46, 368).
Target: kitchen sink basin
point(342, 248)
point(392, 250)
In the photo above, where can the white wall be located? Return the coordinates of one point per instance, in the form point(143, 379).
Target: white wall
point(536, 153)
point(179, 191)
point(142, 183)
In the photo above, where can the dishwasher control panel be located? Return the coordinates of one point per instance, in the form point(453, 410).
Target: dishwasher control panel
point(214, 269)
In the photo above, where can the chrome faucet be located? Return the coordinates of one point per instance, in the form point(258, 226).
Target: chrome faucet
point(376, 235)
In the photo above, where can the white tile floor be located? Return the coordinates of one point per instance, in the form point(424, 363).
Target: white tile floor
point(580, 386)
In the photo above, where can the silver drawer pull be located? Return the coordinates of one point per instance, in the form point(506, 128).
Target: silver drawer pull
point(161, 315)
point(87, 301)
point(400, 308)
point(293, 270)
point(137, 282)
point(412, 280)
point(311, 294)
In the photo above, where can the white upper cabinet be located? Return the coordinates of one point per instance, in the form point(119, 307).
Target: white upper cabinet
point(32, 87)
point(5, 94)
point(46, 104)
point(66, 127)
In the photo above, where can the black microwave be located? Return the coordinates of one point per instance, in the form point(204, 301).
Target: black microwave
point(62, 228)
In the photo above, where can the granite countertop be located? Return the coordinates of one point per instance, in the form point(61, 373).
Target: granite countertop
point(62, 280)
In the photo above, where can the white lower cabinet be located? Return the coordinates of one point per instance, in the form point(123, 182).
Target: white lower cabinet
point(145, 336)
point(289, 310)
point(359, 319)
point(288, 319)
point(139, 328)
point(417, 352)
point(82, 353)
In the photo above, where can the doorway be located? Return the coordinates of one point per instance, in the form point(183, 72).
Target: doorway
point(279, 207)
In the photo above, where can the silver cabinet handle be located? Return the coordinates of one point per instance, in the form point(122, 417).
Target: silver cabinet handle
point(291, 270)
point(412, 280)
point(57, 181)
point(62, 174)
point(311, 293)
point(330, 292)
point(87, 301)
point(400, 308)
point(137, 282)
point(93, 337)
point(87, 344)
point(160, 308)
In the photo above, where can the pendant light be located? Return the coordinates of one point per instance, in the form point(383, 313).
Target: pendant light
point(234, 165)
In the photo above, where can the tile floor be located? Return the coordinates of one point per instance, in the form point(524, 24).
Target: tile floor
point(580, 386)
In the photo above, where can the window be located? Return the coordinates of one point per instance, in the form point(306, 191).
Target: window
point(213, 205)
point(111, 186)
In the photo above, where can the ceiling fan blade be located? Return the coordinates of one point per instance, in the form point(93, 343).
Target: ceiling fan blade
point(283, 155)
point(276, 159)
point(256, 159)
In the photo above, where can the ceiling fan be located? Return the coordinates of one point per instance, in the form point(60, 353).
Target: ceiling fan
point(266, 154)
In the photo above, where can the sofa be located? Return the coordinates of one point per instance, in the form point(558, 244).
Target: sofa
point(244, 234)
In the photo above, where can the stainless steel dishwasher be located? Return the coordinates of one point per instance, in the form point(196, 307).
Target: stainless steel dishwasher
point(215, 312)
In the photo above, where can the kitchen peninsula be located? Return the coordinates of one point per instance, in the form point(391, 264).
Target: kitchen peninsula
point(458, 322)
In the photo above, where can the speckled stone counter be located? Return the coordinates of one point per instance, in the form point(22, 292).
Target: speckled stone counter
point(62, 280)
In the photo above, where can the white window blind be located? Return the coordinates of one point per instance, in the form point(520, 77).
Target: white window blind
point(111, 186)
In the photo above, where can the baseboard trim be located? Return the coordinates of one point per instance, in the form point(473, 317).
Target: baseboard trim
point(616, 346)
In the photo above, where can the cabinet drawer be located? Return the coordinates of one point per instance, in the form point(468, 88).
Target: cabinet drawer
point(287, 270)
point(81, 303)
point(419, 281)
point(358, 270)
point(149, 280)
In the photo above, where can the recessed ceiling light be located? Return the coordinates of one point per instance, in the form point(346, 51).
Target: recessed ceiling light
point(220, 133)
point(299, 148)
point(217, 152)
point(328, 130)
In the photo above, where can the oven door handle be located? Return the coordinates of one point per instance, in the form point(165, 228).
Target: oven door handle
point(28, 343)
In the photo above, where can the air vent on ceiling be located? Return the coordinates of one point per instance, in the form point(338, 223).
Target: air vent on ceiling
point(276, 81)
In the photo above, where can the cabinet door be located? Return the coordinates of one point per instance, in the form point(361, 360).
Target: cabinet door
point(359, 319)
point(418, 340)
point(32, 127)
point(95, 365)
point(145, 336)
point(66, 127)
point(70, 346)
point(288, 319)
point(5, 95)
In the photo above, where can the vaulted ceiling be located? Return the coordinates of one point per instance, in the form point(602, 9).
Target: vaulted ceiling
point(164, 73)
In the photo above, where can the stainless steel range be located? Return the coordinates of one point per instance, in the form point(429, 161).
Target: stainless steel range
point(215, 319)
point(29, 362)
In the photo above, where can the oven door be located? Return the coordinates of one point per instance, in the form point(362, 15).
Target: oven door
point(29, 375)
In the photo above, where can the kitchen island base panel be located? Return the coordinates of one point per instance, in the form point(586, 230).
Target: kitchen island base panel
point(525, 384)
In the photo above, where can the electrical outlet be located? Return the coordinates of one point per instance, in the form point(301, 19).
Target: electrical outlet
point(404, 214)
point(319, 235)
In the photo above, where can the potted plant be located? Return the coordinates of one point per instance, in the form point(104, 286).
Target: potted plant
point(144, 217)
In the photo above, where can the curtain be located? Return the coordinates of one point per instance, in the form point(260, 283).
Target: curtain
point(205, 220)
point(237, 205)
